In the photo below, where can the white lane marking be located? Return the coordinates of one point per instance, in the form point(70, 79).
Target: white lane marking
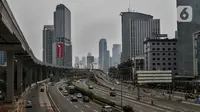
point(59, 90)
point(54, 102)
point(76, 106)
point(81, 111)
point(67, 99)
point(95, 111)
point(70, 102)
point(141, 111)
point(87, 106)
point(80, 101)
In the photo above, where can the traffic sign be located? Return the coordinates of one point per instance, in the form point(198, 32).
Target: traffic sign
point(184, 13)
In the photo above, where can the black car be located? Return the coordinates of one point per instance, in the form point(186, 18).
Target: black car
point(189, 96)
point(60, 88)
point(86, 99)
point(74, 98)
point(112, 93)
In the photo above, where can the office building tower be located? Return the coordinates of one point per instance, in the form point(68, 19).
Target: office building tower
point(111, 61)
point(102, 54)
point(135, 27)
point(116, 54)
point(77, 61)
point(62, 26)
point(185, 33)
point(196, 54)
point(107, 61)
point(48, 33)
point(2, 57)
point(90, 61)
point(161, 54)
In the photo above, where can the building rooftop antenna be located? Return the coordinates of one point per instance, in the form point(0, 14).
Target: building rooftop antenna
point(129, 5)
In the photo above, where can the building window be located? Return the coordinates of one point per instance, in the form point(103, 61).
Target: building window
point(169, 49)
point(174, 43)
point(153, 43)
point(174, 63)
point(174, 58)
point(169, 54)
point(153, 64)
point(174, 53)
point(169, 43)
point(158, 43)
point(174, 48)
point(163, 49)
point(169, 63)
point(163, 58)
point(158, 54)
point(158, 63)
point(154, 69)
point(163, 43)
point(169, 68)
point(158, 49)
point(169, 58)
point(164, 68)
point(163, 63)
point(154, 54)
point(153, 49)
point(158, 58)
point(154, 58)
point(174, 68)
point(163, 53)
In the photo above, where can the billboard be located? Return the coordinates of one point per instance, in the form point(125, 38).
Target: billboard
point(59, 49)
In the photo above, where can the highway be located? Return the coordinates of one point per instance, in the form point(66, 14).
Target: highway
point(137, 106)
point(65, 105)
point(184, 106)
point(35, 96)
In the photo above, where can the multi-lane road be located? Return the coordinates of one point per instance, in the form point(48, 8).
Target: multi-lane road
point(64, 103)
point(184, 106)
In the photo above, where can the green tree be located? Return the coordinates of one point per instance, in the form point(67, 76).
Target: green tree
point(113, 72)
point(125, 69)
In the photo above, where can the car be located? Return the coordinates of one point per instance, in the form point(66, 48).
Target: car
point(29, 104)
point(60, 88)
point(41, 89)
point(106, 108)
point(90, 87)
point(74, 98)
point(86, 99)
point(112, 93)
point(189, 96)
point(79, 95)
point(112, 89)
point(78, 81)
point(65, 93)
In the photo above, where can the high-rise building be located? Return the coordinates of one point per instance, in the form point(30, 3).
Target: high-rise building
point(62, 26)
point(185, 33)
point(135, 27)
point(2, 57)
point(102, 54)
point(48, 33)
point(77, 61)
point(196, 54)
point(107, 62)
point(116, 54)
point(90, 60)
point(111, 61)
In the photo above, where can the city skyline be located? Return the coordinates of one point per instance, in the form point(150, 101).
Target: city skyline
point(46, 17)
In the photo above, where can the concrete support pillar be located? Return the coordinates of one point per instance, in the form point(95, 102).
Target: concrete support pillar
point(35, 74)
point(10, 77)
point(30, 73)
point(19, 76)
point(40, 74)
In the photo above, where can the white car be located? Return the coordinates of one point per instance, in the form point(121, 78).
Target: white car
point(28, 104)
point(106, 109)
point(79, 95)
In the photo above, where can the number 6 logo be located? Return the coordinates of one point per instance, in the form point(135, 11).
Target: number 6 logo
point(184, 14)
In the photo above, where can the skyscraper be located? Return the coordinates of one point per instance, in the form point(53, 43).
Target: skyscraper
point(116, 54)
point(185, 40)
point(77, 61)
point(135, 27)
point(107, 61)
point(48, 32)
point(90, 60)
point(62, 25)
point(102, 54)
point(2, 57)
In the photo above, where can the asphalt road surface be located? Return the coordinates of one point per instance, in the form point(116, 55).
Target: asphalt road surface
point(64, 103)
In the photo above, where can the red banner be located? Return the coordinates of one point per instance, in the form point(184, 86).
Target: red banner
point(59, 50)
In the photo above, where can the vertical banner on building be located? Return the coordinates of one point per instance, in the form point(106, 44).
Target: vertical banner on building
point(59, 50)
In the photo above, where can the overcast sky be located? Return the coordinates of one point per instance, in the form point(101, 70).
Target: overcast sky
point(91, 20)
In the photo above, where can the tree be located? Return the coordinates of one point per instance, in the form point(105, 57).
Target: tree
point(113, 72)
point(125, 69)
